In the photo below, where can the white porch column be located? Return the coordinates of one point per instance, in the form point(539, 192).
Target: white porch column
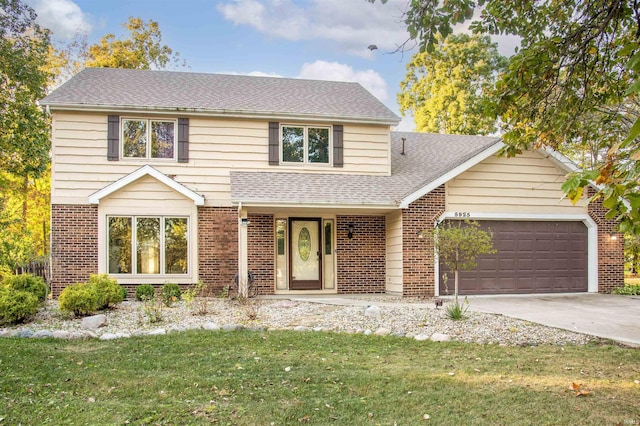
point(243, 260)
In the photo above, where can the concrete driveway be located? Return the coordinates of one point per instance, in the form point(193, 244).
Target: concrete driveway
point(603, 315)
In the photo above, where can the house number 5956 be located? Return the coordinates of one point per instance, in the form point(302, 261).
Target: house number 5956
point(463, 214)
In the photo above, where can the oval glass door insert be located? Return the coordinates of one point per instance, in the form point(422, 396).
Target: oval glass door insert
point(304, 244)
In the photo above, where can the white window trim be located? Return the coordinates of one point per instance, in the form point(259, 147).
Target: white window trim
point(147, 156)
point(134, 231)
point(305, 140)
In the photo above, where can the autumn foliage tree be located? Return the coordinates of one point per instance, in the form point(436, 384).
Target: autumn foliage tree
point(24, 132)
point(447, 89)
point(573, 82)
point(142, 49)
point(458, 245)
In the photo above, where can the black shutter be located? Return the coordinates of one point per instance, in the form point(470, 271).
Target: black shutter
point(274, 143)
point(113, 138)
point(183, 140)
point(338, 155)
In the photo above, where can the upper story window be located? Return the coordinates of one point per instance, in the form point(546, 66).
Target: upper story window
point(143, 138)
point(305, 144)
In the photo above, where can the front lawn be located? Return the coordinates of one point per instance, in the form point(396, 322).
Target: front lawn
point(275, 378)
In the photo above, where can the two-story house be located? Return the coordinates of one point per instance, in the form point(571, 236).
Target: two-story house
point(178, 177)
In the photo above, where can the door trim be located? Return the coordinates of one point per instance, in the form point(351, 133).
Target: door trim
point(305, 284)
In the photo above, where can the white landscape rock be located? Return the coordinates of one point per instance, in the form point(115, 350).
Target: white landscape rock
point(211, 326)
point(439, 337)
point(113, 336)
point(372, 311)
point(157, 332)
point(382, 332)
point(421, 337)
point(94, 322)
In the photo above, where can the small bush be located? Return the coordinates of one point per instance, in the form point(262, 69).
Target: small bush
point(145, 292)
point(108, 290)
point(29, 283)
point(17, 306)
point(170, 293)
point(457, 311)
point(124, 293)
point(81, 299)
point(628, 290)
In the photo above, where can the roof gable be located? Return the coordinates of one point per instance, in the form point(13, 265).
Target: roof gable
point(218, 94)
point(139, 173)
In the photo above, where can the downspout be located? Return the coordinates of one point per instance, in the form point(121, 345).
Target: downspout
point(242, 238)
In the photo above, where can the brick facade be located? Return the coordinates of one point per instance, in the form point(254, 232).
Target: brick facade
point(217, 246)
point(261, 252)
point(418, 274)
point(361, 260)
point(74, 244)
point(610, 251)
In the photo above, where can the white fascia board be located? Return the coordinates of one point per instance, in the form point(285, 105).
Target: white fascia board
point(559, 160)
point(270, 116)
point(493, 149)
point(139, 173)
point(249, 203)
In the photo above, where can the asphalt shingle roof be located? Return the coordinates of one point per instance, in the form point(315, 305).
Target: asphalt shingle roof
point(427, 157)
point(220, 94)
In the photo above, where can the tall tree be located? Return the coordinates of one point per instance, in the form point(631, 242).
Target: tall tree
point(574, 82)
point(24, 127)
point(446, 89)
point(141, 50)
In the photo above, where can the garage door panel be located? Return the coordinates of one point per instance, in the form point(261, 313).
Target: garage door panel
point(532, 257)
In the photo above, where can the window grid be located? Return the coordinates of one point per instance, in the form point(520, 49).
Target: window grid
point(149, 137)
point(133, 252)
point(306, 143)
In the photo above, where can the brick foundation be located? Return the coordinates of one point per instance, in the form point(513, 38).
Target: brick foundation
point(610, 252)
point(418, 274)
point(217, 246)
point(74, 244)
point(361, 260)
point(261, 262)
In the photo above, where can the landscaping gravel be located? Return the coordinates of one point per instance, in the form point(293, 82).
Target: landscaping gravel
point(403, 317)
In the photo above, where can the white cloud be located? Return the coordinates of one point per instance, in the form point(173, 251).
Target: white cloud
point(63, 17)
point(334, 71)
point(352, 25)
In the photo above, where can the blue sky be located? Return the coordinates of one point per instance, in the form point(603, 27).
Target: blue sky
point(316, 39)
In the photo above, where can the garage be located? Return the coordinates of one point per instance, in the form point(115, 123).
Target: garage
point(532, 257)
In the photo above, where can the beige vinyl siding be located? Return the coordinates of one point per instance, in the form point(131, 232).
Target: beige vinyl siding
point(216, 146)
point(528, 183)
point(394, 252)
point(148, 197)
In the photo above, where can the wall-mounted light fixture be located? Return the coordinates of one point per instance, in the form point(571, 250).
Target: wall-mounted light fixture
point(613, 237)
point(350, 231)
point(420, 235)
point(244, 221)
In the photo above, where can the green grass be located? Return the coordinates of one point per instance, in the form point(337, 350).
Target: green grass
point(241, 378)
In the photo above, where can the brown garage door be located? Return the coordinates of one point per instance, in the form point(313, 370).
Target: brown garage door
point(532, 257)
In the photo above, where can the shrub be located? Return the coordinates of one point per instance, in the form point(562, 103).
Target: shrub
point(17, 306)
point(108, 290)
point(81, 299)
point(29, 283)
point(628, 290)
point(145, 292)
point(456, 311)
point(170, 293)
